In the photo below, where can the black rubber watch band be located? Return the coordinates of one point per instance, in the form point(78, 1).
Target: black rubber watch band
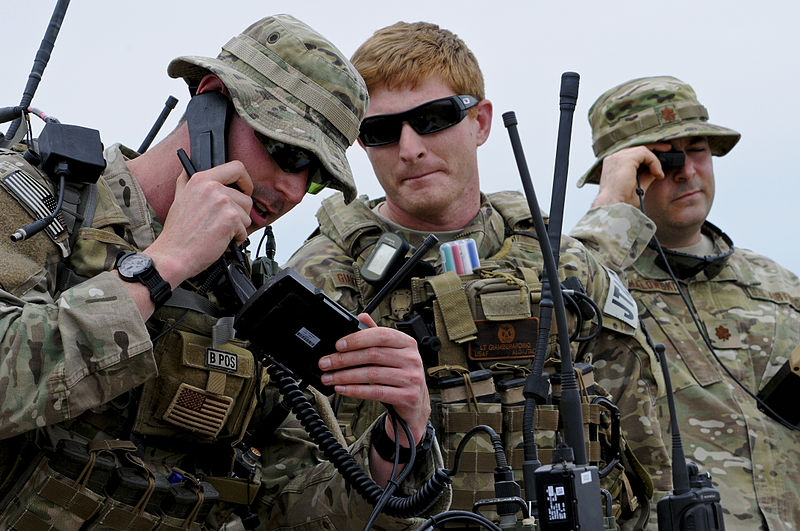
point(144, 271)
point(386, 446)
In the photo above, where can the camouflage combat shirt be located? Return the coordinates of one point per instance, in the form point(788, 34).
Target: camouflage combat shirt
point(67, 354)
point(330, 260)
point(750, 311)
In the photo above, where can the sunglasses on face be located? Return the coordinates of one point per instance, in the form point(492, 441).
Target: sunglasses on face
point(425, 119)
point(293, 159)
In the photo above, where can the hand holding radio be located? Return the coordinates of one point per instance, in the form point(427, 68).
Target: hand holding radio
point(619, 172)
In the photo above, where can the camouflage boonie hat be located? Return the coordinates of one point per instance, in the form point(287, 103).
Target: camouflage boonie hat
point(646, 110)
point(291, 84)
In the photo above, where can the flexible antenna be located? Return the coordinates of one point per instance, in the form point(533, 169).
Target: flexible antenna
point(41, 60)
point(680, 477)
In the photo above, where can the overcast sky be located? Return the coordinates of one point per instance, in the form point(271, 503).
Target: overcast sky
point(108, 72)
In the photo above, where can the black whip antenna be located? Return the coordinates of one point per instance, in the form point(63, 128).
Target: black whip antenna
point(40, 62)
point(551, 287)
point(168, 106)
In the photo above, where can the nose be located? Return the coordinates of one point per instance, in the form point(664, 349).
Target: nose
point(410, 144)
point(292, 186)
point(687, 171)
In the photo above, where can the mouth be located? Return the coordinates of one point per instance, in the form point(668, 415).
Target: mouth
point(419, 175)
point(260, 213)
point(688, 195)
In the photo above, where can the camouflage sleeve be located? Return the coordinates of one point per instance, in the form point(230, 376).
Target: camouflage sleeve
point(327, 266)
point(626, 368)
point(301, 489)
point(615, 234)
point(61, 357)
point(602, 285)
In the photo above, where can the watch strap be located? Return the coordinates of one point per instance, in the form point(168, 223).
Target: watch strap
point(160, 290)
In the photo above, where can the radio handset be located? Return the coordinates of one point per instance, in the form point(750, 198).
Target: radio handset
point(208, 115)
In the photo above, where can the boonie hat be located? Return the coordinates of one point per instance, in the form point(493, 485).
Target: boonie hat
point(290, 84)
point(647, 110)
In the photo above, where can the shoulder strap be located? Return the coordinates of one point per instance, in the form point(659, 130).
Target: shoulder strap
point(513, 207)
point(349, 224)
point(80, 203)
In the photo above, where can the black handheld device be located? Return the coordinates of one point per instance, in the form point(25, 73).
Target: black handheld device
point(671, 160)
point(694, 502)
point(296, 324)
point(208, 115)
point(779, 396)
point(386, 257)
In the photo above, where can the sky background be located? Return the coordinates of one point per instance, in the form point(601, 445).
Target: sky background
point(108, 72)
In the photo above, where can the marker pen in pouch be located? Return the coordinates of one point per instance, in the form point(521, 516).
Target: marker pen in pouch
point(472, 248)
point(447, 258)
point(453, 246)
point(466, 262)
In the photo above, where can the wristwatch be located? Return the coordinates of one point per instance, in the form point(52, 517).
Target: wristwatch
point(385, 446)
point(138, 267)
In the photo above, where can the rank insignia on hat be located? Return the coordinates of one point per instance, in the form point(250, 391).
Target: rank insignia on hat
point(723, 333)
point(668, 114)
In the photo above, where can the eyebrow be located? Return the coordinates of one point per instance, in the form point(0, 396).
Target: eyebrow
point(695, 140)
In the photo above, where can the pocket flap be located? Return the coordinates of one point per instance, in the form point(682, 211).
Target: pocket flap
point(506, 305)
point(227, 358)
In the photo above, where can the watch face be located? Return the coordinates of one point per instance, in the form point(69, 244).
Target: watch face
point(134, 264)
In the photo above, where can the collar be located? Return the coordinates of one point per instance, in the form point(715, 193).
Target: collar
point(686, 265)
point(487, 228)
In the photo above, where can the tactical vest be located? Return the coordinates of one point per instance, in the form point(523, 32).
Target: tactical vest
point(488, 325)
point(167, 455)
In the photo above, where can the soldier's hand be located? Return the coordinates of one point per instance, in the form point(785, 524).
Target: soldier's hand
point(618, 174)
point(381, 364)
point(204, 217)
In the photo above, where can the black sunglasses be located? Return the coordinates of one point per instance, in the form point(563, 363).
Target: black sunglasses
point(425, 119)
point(293, 159)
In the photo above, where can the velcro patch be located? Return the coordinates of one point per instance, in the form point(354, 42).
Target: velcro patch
point(37, 198)
point(343, 279)
point(198, 410)
point(620, 303)
point(499, 340)
point(222, 360)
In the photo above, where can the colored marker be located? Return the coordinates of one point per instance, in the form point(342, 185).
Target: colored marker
point(466, 261)
point(473, 253)
point(447, 258)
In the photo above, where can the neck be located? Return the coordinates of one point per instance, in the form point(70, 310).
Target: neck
point(672, 240)
point(158, 169)
point(456, 216)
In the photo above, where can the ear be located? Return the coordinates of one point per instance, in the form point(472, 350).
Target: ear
point(211, 82)
point(484, 119)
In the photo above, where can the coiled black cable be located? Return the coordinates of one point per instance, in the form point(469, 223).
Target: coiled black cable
point(401, 507)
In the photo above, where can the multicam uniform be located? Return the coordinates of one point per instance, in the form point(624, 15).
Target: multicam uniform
point(750, 310)
point(471, 314)
point(78, 364)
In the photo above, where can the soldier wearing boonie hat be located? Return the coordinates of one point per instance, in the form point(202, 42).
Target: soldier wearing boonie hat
point(738, 298)
point(282, 81)
point(131, 380)
point(648, 110)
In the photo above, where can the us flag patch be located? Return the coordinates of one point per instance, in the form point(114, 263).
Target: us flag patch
point(36, 197)
point(195, 409)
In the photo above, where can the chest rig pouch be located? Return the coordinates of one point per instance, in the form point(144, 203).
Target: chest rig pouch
point(202, 391)
point(485, 318)
point(488, 325)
